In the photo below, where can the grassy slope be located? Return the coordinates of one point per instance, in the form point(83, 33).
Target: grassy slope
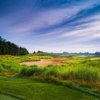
point(6, 97)
point(35, 90)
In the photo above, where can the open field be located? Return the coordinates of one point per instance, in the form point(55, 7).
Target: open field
point(81, 71)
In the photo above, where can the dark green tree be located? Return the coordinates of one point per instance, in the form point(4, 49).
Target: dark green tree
point(9, 48)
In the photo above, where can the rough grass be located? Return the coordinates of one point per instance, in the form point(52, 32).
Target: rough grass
point(10, 66)
point(22, 58)
point(88, 71)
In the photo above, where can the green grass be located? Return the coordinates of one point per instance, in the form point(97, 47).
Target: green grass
point(36, 90)
point(23, 58)
point(6, 97)
point(10, 63)
point(84, 71)
point(10, 67)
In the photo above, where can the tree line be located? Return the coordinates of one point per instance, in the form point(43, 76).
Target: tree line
point(9, 48)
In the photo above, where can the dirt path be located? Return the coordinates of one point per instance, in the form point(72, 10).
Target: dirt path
point(46, 62)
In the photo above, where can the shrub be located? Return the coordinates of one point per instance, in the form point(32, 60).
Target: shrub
point(10, 66)
point(87, 73)
point(33, 70)
point(1, 68)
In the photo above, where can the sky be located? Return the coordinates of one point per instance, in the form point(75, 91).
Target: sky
point(52, 25)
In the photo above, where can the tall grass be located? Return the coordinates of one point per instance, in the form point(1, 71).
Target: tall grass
point(84, 71)
point(74, 69)
point(33, 70)
point(22, 58)
point(6, 66)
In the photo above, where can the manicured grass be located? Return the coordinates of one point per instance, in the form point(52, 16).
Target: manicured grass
point(6, 97)
point(36, 90)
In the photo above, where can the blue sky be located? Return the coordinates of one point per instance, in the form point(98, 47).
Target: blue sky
point(52, 25)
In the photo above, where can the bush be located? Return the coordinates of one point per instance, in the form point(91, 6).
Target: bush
point(1, 68)
point(80, 71)
point(10, 66)
point(33, 70)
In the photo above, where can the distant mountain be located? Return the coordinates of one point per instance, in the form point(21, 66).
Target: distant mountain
point(81, 53)
point(97, 53)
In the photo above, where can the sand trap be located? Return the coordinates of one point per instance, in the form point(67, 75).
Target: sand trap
point(46, 62)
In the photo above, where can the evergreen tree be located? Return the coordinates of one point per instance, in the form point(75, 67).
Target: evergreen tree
point(7, 47)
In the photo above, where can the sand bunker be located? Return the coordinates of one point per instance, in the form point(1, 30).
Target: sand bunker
point(46, 62)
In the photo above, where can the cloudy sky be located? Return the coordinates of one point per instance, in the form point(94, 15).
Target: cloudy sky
point(52, 25)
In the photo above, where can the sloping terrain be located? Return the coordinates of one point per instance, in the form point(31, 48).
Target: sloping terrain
point(6, 97)
point(35, 90)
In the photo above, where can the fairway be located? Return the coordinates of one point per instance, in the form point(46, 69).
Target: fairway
point(6, 97)
point(36, 90)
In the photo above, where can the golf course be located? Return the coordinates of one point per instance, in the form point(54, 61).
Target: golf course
point(49, 77)
point(30, 89)
point(49, 49)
